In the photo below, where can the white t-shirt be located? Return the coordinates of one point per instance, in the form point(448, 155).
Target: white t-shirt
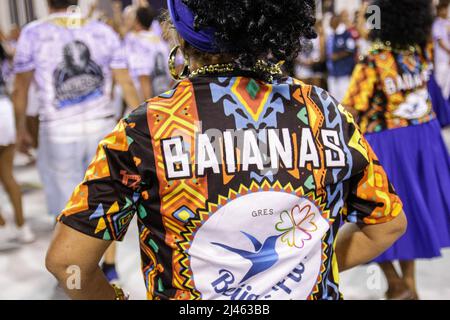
point(441, 31)
point(72, 60)
point(147, 55)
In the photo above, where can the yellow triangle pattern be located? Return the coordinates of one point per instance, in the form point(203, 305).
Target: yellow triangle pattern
point(114, 208)
point(101, 225)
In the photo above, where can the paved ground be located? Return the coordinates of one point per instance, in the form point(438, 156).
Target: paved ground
point(23, 276)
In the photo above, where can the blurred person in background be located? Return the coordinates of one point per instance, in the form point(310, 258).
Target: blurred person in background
point(341, 55)
point(22, 232)
point(350, 23)
point(124, 17)
point(361, 27)
point(73, 62)
point(441, 104)
point(147, 55)
point(389, 97)
point(124, 21)
point(32, 119)
point(9, 43)
point(441, 38)
point(311, 65)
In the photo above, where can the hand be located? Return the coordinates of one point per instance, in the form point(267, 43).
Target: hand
point(24, 142)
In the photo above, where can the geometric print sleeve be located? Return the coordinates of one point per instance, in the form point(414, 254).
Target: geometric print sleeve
point(371, 198)
point(362, 87)
point(103, 205)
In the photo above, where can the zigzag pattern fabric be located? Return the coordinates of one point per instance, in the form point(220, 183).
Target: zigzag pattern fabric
point(239, 188)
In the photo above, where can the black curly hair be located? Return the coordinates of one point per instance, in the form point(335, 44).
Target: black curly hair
point(145, 16)
point(62, 4)
point(257, 29)
point(3, 54)
point(404, 23)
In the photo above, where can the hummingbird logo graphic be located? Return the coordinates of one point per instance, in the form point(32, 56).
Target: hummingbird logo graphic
point(264, 257)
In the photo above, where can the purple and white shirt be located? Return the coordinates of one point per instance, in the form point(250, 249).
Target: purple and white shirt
point(441, 31)
point(147, 55)
point(72, 60)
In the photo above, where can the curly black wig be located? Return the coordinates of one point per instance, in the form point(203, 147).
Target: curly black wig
point(404, 22)
point(257, 29)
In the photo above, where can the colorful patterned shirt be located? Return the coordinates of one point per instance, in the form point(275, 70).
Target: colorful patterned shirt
point(388, 90)
point(239, 188)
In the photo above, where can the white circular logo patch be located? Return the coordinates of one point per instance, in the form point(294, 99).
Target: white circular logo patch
point(263, 245)
point(415, 106)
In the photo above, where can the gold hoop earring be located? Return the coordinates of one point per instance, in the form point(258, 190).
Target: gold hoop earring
point(172, 65)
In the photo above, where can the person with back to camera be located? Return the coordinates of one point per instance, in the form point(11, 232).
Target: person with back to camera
point(389, 96)
point(73, 63)
point(240, 177)
point(21, 233)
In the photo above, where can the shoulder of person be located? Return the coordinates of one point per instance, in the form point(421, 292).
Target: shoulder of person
point(153, 36)
point(129, 39)
point(35, 25)
point(139, 116)
point(102, 27)
point(330, 106)
point(315, 93)
point(149, 38)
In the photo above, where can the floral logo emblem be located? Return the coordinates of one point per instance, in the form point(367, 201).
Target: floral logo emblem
point(297, 225)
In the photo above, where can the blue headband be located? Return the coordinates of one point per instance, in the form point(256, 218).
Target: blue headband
point(183, 20)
